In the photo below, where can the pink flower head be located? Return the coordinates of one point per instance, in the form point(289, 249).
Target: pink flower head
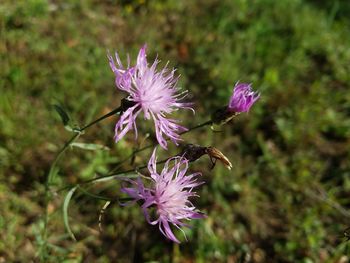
point(152, 92)
point(169, 195)
point(243, 98)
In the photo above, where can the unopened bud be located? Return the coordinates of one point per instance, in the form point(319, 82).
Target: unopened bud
point(242, 99)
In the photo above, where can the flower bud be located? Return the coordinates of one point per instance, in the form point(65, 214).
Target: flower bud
point(242, 99)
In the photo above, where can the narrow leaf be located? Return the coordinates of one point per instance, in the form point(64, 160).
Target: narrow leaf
point(64, 116)
point(113, 177)
point(90, 146)
point(65, 211)
point(105, 198)
point(69, 128)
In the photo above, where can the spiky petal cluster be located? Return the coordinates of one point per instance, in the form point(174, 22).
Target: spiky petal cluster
point(169, 194)
point(151, 92)
point(243, 98)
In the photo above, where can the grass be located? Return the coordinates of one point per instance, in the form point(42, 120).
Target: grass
point(287, 197)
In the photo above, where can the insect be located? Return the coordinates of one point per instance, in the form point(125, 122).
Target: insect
point(192, 152)
point(214, 155)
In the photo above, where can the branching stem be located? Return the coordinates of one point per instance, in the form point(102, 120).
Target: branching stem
point(53, 171)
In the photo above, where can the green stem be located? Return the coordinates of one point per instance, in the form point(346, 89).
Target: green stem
point(100, 197)
point(52, 171)
point(108, 176)
point(47, 191)
point(189, 130)
point(65, 147)
point(209, 122)
point(113, 112)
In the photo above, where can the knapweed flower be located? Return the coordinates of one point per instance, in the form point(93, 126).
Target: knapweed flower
point(169, 194)
point(243, 98)
point(149, 91)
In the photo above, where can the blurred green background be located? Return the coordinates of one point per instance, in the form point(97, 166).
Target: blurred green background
point(286, 198)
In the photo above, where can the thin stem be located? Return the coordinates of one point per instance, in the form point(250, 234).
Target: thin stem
point(100, 197)
point(52, 173)
point(112, 174)
point(117, 110)
point(94, 195)
point(108, 176)
point(209, 122)
point(184, 132)
point(47, 190)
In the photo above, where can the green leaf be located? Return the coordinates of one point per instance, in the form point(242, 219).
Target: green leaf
point(65, 118)
point(94, 195)
point(116, 176)
point(90, 146)
point(63, 114)
point(65, 211)
point(52, 174)
point(69, 128)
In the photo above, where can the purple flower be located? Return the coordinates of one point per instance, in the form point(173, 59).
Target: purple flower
point(152, 92)
point(169, 194)
point(243, 98)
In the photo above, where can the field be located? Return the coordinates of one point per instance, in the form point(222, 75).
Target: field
point(287, 197)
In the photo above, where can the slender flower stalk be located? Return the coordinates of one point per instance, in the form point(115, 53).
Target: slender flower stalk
point(51, 174)
point(169, 194)
point(152, 92)
point(114, 173)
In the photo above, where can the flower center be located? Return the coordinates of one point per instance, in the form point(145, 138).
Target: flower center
point(153, 101)
point(170, 200)
point(153, 91)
